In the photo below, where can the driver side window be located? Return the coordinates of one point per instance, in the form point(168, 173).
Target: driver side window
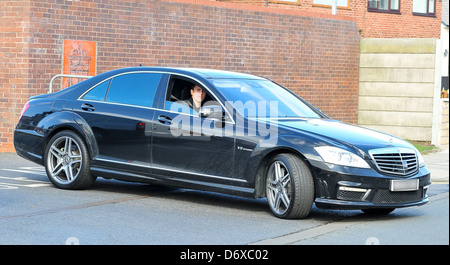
point(185, 96)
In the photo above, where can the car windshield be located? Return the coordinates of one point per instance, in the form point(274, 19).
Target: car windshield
point(262, 99)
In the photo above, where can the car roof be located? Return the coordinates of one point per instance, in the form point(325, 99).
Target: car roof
point(201, 72)
point(220, 74)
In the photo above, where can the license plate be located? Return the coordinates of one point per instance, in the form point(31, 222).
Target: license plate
point(404, 185)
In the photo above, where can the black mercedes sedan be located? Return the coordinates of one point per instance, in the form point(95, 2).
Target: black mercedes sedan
point(218, 131)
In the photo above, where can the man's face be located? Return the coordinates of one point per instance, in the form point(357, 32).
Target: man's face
point(198, 95)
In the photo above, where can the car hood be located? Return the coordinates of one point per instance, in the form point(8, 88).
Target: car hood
point(337, 131)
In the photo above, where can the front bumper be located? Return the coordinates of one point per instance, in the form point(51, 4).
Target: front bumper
point(356, 191)
point(354, 205)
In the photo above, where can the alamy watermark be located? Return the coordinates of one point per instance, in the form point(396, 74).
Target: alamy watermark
point(372, 241)
point(72, 241)
point(261, 120)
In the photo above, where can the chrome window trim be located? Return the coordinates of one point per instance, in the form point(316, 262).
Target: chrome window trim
point(188, 114)
point(154, 72)
point(196, 80)
point(119, 104)
point(111, 77)
point(149, 108)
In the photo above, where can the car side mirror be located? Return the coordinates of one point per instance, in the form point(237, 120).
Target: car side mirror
point(211, 111)
point(214, 112)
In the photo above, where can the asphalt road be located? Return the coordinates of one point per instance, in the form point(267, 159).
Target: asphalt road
point(32, 211)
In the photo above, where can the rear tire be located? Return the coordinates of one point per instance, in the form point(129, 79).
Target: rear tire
point(66, 161)
point(289, 187)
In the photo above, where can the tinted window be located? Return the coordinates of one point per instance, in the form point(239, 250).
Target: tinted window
point(98, 92)
point(134, 89)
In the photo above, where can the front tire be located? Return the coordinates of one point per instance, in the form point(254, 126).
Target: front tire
point(66, 161)
point(289, 187)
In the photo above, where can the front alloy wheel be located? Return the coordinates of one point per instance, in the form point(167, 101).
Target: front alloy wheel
point(66, 161)
point(279, 188)
point(289, 187)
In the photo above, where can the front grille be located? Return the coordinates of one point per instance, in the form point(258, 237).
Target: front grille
point(382, 196)
point(350, 195)
point(389, 197)
point(397, 161)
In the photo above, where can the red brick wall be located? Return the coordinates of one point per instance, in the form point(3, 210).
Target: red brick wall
point(14, 66)
point(314, 55)
point(405, 25)
point(372, 24)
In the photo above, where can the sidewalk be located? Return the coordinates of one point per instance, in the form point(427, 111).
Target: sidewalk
point(438, 164)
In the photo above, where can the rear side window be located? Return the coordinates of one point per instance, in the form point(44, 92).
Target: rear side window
point(98, 93)
point(134, 89)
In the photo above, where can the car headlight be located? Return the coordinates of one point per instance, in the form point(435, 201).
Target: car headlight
point(420, 159)
point(338, 156)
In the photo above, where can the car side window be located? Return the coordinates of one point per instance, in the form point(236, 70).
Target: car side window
point(98, 93)
point(134, 89)
point(179, 98)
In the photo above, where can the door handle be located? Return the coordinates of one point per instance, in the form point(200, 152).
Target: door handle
point(164, 119)
point(87, 107)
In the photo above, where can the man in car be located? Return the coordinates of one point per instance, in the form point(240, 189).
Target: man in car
point(197, 97)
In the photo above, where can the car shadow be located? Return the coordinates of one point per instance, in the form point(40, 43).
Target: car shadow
point(183, 194)
point(230, 202)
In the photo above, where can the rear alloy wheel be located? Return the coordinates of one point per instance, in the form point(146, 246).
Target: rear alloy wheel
point(289, 187)
point(67, 161)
